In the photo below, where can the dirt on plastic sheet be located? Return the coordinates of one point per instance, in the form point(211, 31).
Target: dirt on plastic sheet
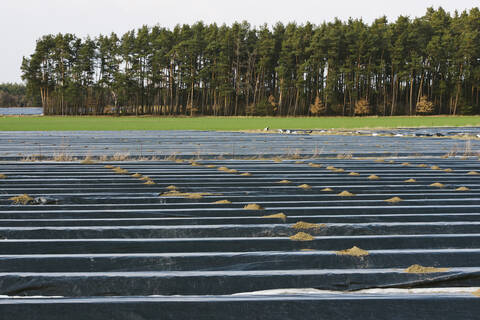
point(394, 200)
point(346, 193)
point(307, 225)
point(302, 236)
point(305, 186)
point(437, 184)
point(120, 170)
point(253, 206)
point(280, 216)
point(222, 202)
point(188, 195)
point(22, 199)
point(421, 269)
point(354, 251)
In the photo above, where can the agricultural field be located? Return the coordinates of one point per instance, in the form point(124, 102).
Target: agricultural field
point(161, 145)
point(142, 222)
point(107, 123)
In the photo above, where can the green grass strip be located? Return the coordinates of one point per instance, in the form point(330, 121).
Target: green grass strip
point(91, 123)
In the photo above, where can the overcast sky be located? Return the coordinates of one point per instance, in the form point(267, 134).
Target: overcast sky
point(22, 22)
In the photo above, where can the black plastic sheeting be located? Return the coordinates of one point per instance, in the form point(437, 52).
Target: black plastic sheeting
point(237, 244)
point(191, 144)
point(237, 261)
point(236, 230)
point(101, 234)
point(304, 307)
point(224, 282)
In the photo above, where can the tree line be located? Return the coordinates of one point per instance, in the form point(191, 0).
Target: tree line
point(15, 95)
point(425, 65)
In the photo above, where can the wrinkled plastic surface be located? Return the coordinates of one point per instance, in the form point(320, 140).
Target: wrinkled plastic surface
point(312, 307)
point(102, 234)
point(191, 144)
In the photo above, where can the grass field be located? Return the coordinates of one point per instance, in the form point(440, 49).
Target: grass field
point(50, 123)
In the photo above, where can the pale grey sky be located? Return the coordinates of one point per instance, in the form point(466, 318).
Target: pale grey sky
point(22, 22)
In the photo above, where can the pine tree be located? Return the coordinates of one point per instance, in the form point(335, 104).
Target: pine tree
point(234, 70)
point(362, 107)
point(424, 106)
point(318, 108)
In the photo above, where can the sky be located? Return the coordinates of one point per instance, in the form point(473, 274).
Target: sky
point(22, 22)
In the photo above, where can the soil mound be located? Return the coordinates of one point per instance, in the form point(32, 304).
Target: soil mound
point(22, 199)
point(222, 202)
point(280, 216)
point(302, 236)
point(394, 200)
point(354, 251)
point(307, 225)
point(187, 195)
point(305, 186)
point(421, 269)
point(315, 165)
point(253, 206)
point(346, 194)
point(437, 184)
